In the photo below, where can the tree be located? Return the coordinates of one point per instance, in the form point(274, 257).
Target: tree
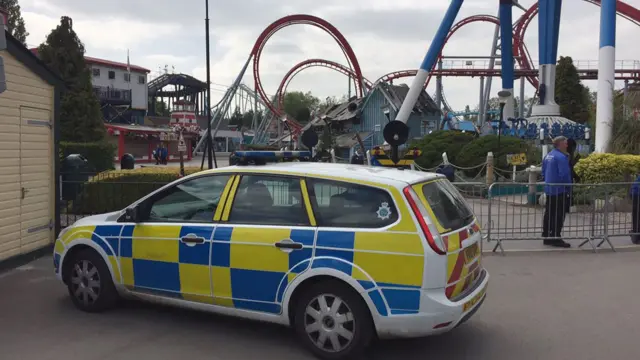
point(16, 22)
point(236, 118)
point(571, 95)
point(80, 116)
point(331, 101)
point(494, 104)
point(300, 105)
point(162, 109)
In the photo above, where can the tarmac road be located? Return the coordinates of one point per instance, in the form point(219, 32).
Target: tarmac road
point(554, 305)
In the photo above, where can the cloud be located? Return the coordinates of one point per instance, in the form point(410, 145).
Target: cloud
point(385, 35)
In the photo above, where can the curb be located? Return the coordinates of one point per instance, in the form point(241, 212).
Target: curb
point(620, 248)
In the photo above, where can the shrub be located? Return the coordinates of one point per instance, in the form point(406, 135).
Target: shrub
point(99, 154)
point(115, 190)
point(603, 168)
point(475, 153)
point(438, 142)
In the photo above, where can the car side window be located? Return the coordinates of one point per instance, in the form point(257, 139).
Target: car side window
point(339, 204)
point(269, 200)
point(194, 200)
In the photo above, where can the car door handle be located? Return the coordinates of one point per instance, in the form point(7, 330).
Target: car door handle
point(288, 244)
point(191, 239)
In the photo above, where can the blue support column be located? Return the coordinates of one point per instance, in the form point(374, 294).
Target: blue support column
point(606, 75)
point(428, 62)
point(548, 33)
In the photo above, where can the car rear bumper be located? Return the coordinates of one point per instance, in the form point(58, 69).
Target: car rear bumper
point(438, 314)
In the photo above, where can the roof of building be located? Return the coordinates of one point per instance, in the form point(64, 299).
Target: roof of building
point(107, 63)
point(189, 85)
point(350, 140)
point(395, 94)
point(344, 111)
point(31, 61)
point(356, 173)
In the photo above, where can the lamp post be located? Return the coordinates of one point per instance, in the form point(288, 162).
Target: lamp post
point(209, 147)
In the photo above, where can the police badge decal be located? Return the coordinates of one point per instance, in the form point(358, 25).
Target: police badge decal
point(384, 212)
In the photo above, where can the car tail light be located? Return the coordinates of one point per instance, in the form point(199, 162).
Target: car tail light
point(421, 213)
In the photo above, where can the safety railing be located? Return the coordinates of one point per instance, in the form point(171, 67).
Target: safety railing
point(592, 213)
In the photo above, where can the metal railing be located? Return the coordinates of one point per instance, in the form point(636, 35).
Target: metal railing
point(112, 94)
point(593, 213)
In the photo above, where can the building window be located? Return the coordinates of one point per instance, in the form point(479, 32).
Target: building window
point(95, 72)
point(127, 77)
point(376, 127)
point(112, 74)
point(141, 79)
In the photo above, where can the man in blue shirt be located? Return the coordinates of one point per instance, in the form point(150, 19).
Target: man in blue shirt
point(635, 211)
point(556, 173)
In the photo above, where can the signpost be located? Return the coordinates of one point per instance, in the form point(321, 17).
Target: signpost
point(182, 147)
point(516, 160)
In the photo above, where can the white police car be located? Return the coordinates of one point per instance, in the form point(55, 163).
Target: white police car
point(342, 253)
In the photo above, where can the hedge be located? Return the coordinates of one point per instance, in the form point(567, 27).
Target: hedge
point(475, 153)
point(116, 189)
point(607, 168)
point(438, 142)
point(99, 154)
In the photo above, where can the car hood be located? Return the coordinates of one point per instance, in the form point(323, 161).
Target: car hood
point(97, 219)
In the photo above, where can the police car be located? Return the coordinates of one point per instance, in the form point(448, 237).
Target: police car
point(341, 253)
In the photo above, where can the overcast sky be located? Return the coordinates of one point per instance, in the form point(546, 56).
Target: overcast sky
point(386, 35)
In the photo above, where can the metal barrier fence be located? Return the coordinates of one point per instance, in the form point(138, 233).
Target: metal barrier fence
point(593, 213)
point(506, 211)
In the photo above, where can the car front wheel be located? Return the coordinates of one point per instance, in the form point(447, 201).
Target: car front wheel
point(89, 282)
point(333, 321)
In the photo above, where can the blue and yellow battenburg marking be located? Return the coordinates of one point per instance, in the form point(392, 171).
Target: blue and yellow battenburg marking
point(390, 266)
point(240, 267)
point(380, 158)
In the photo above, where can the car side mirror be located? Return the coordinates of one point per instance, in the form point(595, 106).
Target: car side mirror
point(132, 214)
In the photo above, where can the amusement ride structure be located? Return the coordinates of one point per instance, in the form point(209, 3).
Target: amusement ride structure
point(510, 62)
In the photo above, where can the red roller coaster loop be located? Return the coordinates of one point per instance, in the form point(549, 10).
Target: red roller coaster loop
point(295, 20)
point(282, 89)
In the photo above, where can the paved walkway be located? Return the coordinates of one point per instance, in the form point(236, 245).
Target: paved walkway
point(552, 306)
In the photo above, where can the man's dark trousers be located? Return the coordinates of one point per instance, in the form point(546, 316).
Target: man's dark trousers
point(554, 214)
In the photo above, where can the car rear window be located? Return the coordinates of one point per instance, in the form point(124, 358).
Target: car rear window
point(448, 206)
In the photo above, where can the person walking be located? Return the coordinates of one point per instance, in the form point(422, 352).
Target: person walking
point(635, 211)
point(556, 173)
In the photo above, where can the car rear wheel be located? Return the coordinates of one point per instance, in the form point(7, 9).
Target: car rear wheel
point(89, 282)
point(333, 321)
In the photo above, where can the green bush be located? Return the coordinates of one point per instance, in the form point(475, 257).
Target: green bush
point(99, 154)
point(115, 190)
point(475, 153)
point(438, 142)
point(606, 168)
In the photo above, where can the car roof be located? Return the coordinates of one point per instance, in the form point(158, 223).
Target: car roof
point(375, 174)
